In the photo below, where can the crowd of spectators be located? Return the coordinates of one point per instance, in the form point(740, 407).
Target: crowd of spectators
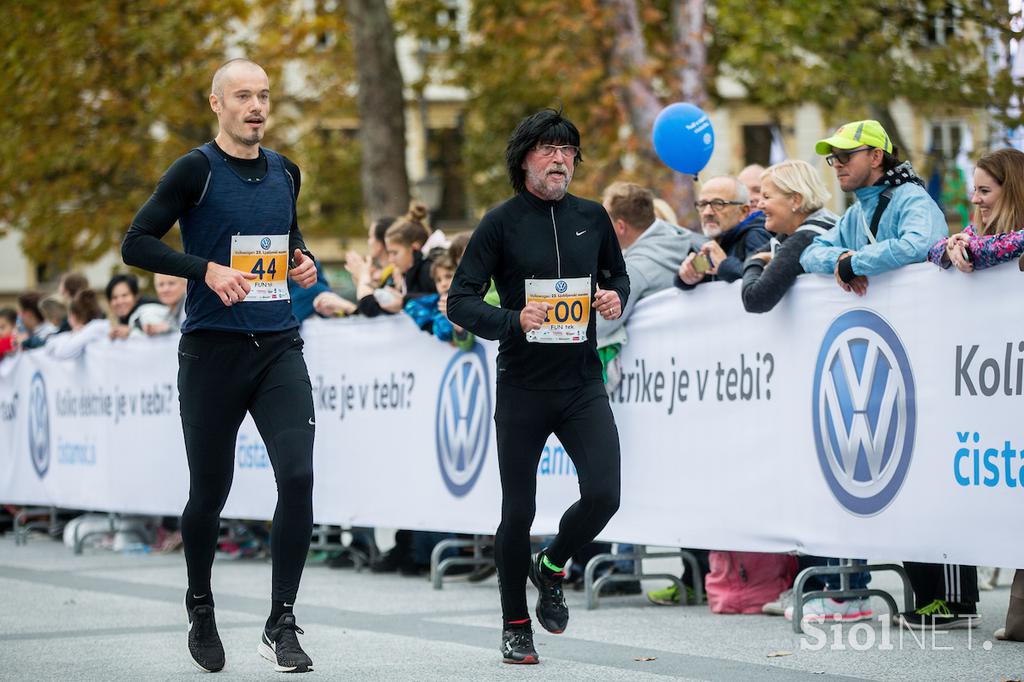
point(763, 227)
point(65, 321)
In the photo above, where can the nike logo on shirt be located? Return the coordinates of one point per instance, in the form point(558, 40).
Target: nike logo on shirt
point(579, 233)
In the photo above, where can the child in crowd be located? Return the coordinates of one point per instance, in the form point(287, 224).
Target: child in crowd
point(8, 331)
point(88, 324)
point(36, 328)
point(428, 312)
point(373, 276)
point(996, 236)
point(55, 311)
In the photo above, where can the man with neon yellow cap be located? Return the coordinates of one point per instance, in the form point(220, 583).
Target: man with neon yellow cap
point(894, 221)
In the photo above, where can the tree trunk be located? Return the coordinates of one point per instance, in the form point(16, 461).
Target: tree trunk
point(381, 106)
point(690, 50)
point(629, 68)
point(883, 115)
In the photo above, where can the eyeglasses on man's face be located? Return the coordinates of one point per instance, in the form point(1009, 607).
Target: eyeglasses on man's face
point(843, 156)
point(569, 151)
point(717, 204)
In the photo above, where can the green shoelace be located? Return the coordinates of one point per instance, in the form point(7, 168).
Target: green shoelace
point(938, 607)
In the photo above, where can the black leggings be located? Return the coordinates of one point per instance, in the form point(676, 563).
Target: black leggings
point(582, 420)
point(221, 376)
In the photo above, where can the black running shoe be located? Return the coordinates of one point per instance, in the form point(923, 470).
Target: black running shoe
point(280, 646)
point(552, 613)
point(517, 646)
point(939, 615)
point(203, 641)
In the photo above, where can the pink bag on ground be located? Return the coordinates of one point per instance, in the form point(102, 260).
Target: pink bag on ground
point(743, 582)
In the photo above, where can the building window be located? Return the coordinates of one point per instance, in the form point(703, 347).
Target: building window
point(445, 161)
point(757, 144)
point(941, 25)
point(945, 138)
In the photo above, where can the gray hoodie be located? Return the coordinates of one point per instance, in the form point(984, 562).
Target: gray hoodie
point(652, 262)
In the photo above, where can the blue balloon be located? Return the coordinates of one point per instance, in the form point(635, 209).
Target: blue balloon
point(683, 138)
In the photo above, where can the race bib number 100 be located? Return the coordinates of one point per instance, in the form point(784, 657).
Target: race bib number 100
point(267, 258)
point(570, 309)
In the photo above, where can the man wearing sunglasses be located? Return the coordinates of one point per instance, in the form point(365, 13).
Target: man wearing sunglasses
point(894, 221)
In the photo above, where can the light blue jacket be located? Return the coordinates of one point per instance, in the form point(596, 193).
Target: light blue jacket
point(909, 226)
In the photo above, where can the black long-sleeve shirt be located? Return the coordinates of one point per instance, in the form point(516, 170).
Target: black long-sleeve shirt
point(764, 286)
point(525, 238)
point(180, 189)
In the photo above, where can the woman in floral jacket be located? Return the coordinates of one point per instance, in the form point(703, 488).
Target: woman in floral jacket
point(999, 213)
point(996, 236)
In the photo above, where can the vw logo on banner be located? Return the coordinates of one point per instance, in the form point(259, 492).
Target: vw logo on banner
point(864, 411)
point(39, 425)
point(463, 425)
point(265, 243)
point(561, 286)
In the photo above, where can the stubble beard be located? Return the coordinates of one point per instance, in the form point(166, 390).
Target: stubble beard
point(711, 231)
point(537, 183)
point(251, 140)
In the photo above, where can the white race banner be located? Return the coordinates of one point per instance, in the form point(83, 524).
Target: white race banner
point(886, 425)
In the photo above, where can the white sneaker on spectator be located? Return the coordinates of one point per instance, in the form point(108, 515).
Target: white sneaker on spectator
point(779, 606)
point(988, 577)
point(827, 609)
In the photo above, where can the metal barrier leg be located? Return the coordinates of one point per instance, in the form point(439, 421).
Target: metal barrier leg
point(438, 566)
point(844, 571)
point(592, 587)
point(22, 524)
point(79, 539)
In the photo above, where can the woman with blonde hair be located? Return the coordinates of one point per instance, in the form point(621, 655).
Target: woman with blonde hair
point(995, 236)
point(793, 198)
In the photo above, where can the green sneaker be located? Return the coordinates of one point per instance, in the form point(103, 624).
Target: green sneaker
point(666, 597)
point(939, 615)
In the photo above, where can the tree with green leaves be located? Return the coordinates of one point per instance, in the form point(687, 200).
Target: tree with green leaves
point(121, 90)
point(99, 98)
point(857, 60)
point(612, 63)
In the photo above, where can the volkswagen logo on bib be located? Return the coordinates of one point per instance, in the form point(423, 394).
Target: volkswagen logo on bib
point(39, 425)
point(463, 420)
point(265, 243)
point(864, 411)
point(561, 286)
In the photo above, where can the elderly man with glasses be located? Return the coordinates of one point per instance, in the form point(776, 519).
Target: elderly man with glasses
point(556, 264)
point(734, 233)
point(894, 220)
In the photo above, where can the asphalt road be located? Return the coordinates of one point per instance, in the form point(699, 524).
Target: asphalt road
point(105, 615)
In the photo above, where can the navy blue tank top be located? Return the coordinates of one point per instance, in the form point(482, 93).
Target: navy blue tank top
point(232, 205)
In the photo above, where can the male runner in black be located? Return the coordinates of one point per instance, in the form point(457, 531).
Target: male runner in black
point(550, 254)
point(240, 349)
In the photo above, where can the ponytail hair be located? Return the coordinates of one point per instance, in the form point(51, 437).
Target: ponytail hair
point(85, 306)
point(411, 228)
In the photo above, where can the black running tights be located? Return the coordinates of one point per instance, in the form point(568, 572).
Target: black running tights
point(221, 376)
point(582, 420)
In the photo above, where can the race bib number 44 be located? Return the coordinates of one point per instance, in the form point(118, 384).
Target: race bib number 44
point(267, 258)
point(570, 309)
